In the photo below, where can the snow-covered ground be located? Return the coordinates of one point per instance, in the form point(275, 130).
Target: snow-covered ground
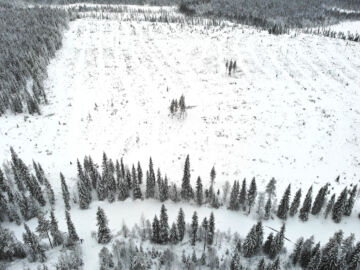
point(352, 27)
point(290, 112)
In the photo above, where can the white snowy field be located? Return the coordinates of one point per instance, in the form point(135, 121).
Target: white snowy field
point(291, 111)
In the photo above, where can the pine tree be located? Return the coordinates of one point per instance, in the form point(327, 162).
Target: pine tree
point(212, 182)
point(268, 243)
point(306, 207)
point(164, 226)
point(276, 264)
point(211, 233)
point(259, 235)
point(283, 209)
point(199, 191)
point(354, 262)
point(277, 243)
point(314, 261)
point(134, 175)
point(35, 250)
point(139, 173)
point(181, 225)
point(43, 227)
point(103, 235)
point(164, 190)
point(123, 191)
point(306, 252)
point(186, 189)
point(106, 259)
point(350, 202)
point(234, 203)
point(319, 200)
point(35, 190)
point(150, 181)
point(65, 192)
point(295, 203)
point(261, 265)
point(49, 191)
point(251, 196)
point(271, 188)
point(57, 236)
point(339, 206)
point(137, 191)
point(235, 262)
point(242, 196)
point(267, 209)
point(73, 236)
point(194, 228)
point(3, 186)
point(84, 195)
point(329, 206)
point(155, 230)
point(173, 234)
point(250, 243)
point(296, 253)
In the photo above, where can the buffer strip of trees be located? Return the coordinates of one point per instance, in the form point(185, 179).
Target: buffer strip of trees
point(29, 38)
point(118, 181)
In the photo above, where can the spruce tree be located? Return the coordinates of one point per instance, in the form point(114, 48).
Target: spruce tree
point(43, 227)
point(276, 264)
point(123, 191)
point(164, 226)
point(164, 190)
point(242, 196)
point(306, 252)
point(49, 191)
point(250, 243)
point(267, 209)
point(155, 237)
point(251, 196)
point(329, 206)
point(194, 228)
point(314, 261)
point(354, 262)
point(181, 225)
point(150, 181)
point(139, 174)
point(295, 203)
point(84, 195)
point(306, 207)
point(72, 234)
point(283, 209)
point(211, 233)
point(350, 202)
point(199, 191)
point(234, 203)
point(106, 259)
point(3, 186)
point(339, 206)
point(259, 235)
point(319, 200)
point(261, 265)
point(268, 243)
point(65, 192)
point(35, 250)
point(186, 189)
point(136, 191)
point(35, 190)
point(173, 234)
point(103, 235)
point(296, 253)
point(57, 236)
point(271, 188)
point(235, 261)
point(277, 243)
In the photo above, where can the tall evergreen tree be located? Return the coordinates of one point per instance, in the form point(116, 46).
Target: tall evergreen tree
point(329, 206)
point(155, 230)
point(284, 206)
point(267, 209)
point(305, 209)
point(350, 202)
point(251, 196)
point(295, 203)
point(49, 191)
point(319, 200)
point(199, 192)
point(271, 188)
point(194, 228)
point(314, 261)
point(173, 234)
point(295, 256)
point(72, 234)
point(123, 191)
point(35, 250)
point(277, 243)
point(181, 224)
point(242, 196)
point(306, 252)
point(103, 235)
point(136, 191)
point(57, 236)
point(211, 233)
point(186, 189)
point(65, 192)
point(339, 206)
point(43, 227)
point(164, 226)
point(250, 243)
point(268, 243)
point(150, 181)
point(234, 202)
point(139, 173)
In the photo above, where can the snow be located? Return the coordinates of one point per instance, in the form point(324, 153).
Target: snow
point(290, 112)
point(352, 27)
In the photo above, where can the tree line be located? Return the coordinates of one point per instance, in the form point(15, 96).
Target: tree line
point(29, 38)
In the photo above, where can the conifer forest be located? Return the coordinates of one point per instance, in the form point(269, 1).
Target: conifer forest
point(179, 134)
